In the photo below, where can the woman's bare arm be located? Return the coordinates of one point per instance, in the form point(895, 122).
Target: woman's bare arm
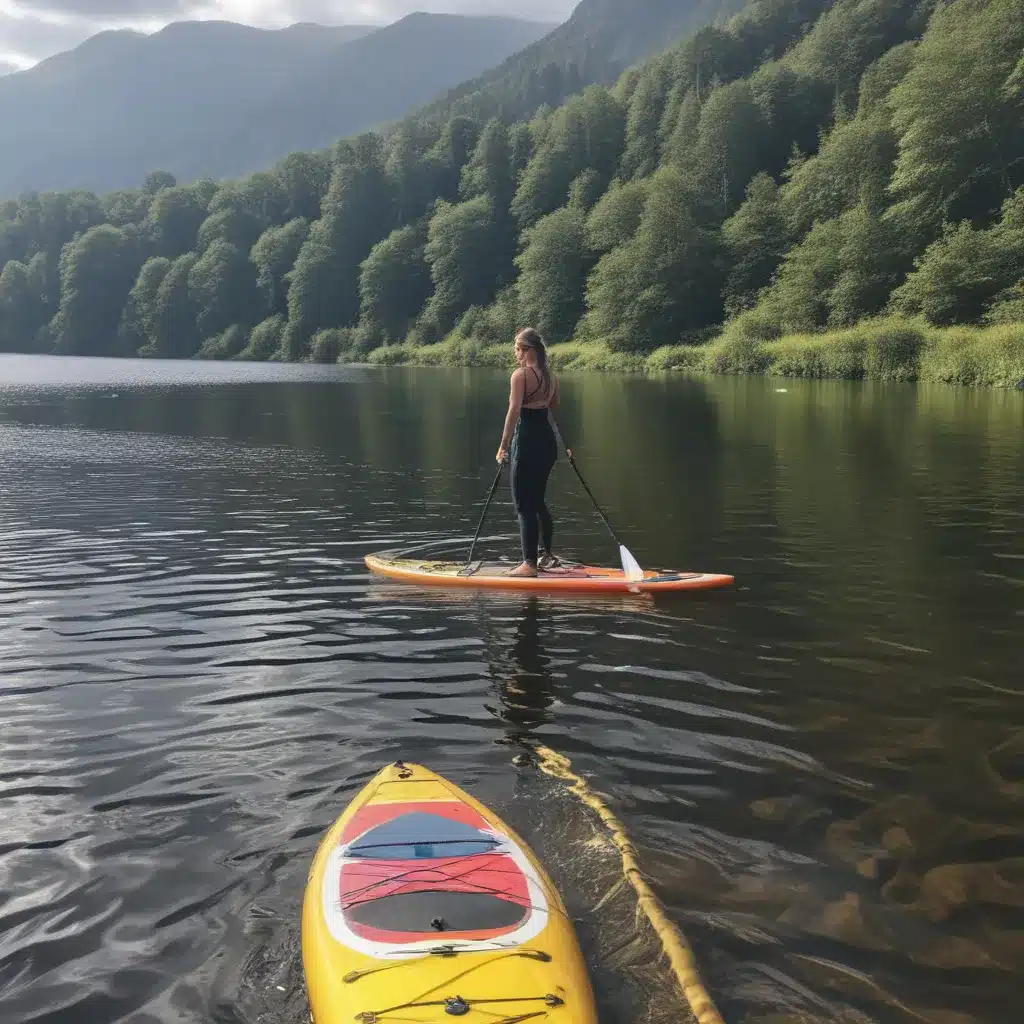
point(517, 388)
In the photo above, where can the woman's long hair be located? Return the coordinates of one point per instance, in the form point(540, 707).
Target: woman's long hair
point(530, 337)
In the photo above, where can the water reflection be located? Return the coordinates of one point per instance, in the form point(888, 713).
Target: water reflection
point(522, 673)
point(822, 769)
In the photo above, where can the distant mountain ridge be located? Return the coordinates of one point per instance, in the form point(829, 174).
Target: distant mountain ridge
point(221, 99)
point(594, 46)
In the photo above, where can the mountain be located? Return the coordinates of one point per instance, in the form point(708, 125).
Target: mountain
point(600, 40)
point(216, 98)
point(746, 177)
point(417, 57)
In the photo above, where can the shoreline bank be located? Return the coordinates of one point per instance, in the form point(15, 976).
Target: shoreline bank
point(892, 349)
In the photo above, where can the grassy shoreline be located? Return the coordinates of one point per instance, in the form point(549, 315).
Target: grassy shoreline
point(893, 349)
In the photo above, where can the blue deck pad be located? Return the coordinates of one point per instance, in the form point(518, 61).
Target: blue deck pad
point(421, 836)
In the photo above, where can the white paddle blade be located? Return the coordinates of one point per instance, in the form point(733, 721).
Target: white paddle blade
point(630, 566)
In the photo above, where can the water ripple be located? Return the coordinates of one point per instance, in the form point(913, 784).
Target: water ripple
point(822, 769)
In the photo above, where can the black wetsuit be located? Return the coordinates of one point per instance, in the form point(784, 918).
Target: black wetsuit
point(534, 452)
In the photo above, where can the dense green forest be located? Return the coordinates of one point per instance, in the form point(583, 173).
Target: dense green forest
point(804, 166)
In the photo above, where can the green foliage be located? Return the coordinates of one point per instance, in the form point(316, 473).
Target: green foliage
point(756, 240)
point(408, 170)
point(966, 270)
point(136, 327)
point(646, 108)
point(222, 287)
point(448, 156)
point(157, 180)
point(238, 227)
point(991, 357)
point(665, 281)
point(311, 298)
point(357, 213)
point(855, 156)
point(587, 133)
point(871, 262)
point(851, 35)
point(24, 308)
point(127, 206)
point(1008, 306)
point(173, 332)
point(844, 269)
point(681, 136)
point(594, 356)
point(961, 148)
point(489, 171)
point(305, 178)
point(877, 349)
point(884, 75)
point(395, 282)
point(461, 260)
point(173, 220)
point(553, 268)
point(97, 271)
point(273, 256)
point(455, 350)
point(793, 109)
point(586, 190)
point(226, 345)
point(265, 339)
point(798, 298)
point(495, 324)
point(329, 344)
point(731, 132)
point(616, 217)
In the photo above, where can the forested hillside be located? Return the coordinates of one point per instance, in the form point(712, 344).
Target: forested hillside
point(805, 166)
point(216, 99)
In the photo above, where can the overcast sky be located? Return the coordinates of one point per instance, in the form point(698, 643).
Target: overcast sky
point(33, 29)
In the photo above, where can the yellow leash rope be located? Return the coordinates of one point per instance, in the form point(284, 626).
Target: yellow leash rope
point(680, 955)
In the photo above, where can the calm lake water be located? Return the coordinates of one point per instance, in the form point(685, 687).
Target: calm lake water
point(822, 768)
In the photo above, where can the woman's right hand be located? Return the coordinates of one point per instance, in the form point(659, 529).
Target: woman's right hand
point(501, 456)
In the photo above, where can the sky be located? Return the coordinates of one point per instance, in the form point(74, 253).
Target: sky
point(33, 29)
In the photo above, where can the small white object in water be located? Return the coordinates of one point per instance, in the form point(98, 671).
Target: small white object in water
point(781, 391)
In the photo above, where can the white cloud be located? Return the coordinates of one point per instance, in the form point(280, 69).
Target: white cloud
point(13, 62)
point(31, 30)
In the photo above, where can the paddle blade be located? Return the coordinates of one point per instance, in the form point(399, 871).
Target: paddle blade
point(630, 566)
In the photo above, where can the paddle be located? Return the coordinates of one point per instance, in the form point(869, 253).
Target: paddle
point(487, 503)
point(630, 566)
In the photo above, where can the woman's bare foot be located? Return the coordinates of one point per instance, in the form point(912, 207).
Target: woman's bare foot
point(523, 569)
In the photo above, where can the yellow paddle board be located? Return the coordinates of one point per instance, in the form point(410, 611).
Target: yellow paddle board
point(422, 906)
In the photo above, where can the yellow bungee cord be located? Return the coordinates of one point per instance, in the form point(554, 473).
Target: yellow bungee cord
point(678, 950)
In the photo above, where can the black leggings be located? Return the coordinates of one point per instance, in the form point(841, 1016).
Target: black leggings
point(534, 452)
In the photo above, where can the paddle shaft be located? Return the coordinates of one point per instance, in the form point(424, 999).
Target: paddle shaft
point(572, 462)
point(483, 515)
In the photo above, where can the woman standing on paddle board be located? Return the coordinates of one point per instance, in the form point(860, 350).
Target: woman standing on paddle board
point(532, 392)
